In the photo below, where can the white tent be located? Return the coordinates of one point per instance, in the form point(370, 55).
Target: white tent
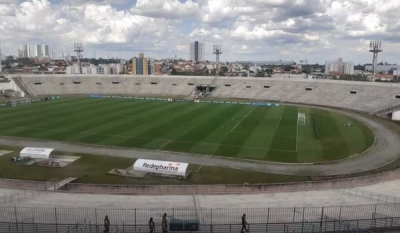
point(36, 153)
point(162, 167)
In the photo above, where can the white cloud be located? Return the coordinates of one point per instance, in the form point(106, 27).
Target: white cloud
point(7, 10)
point(247, 29)
point(170, 9)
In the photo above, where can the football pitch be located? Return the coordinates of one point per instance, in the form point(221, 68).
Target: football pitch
point(226, 130)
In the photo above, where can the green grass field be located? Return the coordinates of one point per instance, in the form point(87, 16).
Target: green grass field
point(236, 131)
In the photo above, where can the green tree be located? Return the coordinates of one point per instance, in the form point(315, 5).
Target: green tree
point(174, 72)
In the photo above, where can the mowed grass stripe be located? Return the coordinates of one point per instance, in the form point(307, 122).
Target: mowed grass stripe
point(80, 115)
point(331, 138)
point(39, 120)
point(260, 139)
point(155, 131)
point(126, 122)
point(237, 140)
point(47, 114)
point(17, 113)
point(284, 149)
point(188, 127)
point(363, 133)
point(83, 121)
point(351, 133)
point(309, 148)
point(37, 117)
point(207, 126)
point(131, 124)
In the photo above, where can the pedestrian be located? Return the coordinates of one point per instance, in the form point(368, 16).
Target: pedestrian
point(106, 225)
point(151, 225)
point(244, 224)
point(165, 223)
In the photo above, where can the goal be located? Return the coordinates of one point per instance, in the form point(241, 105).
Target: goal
point(301, 118)
point(18, 102)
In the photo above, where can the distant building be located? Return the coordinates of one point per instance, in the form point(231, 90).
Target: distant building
point(197, 51)
point(42, 51)
point(53, 54)
point(339, 67)
point(23, 52)
point(383, 68)
point(267, 63)
point(38, 50)
point(142, 65)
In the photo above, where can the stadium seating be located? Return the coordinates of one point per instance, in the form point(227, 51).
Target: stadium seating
point(365, 97)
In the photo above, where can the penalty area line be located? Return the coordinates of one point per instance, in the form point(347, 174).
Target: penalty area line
point(277, 126)
point(164, 144)
point(214, 150)
point(242, 120)
point(198, 169)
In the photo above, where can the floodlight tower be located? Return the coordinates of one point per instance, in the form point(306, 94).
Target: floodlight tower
point(217, 50)
point(78, 48)
point(375, 47)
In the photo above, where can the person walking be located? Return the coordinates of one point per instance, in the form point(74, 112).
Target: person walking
point(165, 223)
point(106, 224)
point(151, 225)
point(244, 224)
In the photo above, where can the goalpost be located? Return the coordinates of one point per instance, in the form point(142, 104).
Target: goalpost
point(20, 101)
point(301, 118)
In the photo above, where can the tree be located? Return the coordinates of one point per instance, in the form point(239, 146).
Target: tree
point(287, 68)
point(224, 69)
point(174, 72)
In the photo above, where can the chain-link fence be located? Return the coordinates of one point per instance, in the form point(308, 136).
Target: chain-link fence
point(357, 218)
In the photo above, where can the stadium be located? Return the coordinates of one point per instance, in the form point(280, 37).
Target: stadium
point(294, 155)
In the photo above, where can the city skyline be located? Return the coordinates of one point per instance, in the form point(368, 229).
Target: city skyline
point(316, 30)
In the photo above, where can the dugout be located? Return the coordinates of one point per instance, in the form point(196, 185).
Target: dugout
point(41, 156)
point(205, 89)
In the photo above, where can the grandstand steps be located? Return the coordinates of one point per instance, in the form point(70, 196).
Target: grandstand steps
point(385, 111)
point(365, 97)
point(58, 185)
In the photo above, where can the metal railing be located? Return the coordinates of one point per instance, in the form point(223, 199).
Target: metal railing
point(327, 225)
point(208, 217)
point(23, 195)
point(381, 198)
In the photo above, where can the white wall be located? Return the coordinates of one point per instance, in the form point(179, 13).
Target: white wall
point(5, 86)
point(396, 116)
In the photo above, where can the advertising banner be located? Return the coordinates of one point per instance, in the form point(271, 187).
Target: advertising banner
point(161, 167)
point(186, 100)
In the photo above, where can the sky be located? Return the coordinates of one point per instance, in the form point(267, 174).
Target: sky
point(256, 30)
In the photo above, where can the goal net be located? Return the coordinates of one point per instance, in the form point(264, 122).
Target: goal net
point(301, 118)
point(18, 102)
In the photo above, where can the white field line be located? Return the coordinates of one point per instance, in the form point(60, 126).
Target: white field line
point(198, 169)
point(264, 134)
point(242, 120)
point(215, 150)
point(297, 128)
point(279, 122)
point(164, 144)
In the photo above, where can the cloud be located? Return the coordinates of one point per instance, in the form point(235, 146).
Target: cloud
point(170, 9)
point(247, 29)
point(7, 10)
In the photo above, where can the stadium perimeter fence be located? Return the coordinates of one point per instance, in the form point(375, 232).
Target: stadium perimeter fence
point(359, 218)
